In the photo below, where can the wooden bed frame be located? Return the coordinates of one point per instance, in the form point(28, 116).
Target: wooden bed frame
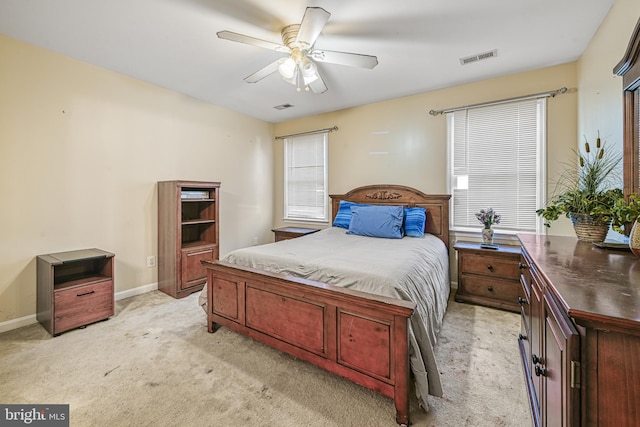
point(358, 335)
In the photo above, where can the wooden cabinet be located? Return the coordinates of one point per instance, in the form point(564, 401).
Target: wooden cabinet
point(188, 230)
point(286, 233)
point(580, 333)
point(488, 277)
point(74, 289)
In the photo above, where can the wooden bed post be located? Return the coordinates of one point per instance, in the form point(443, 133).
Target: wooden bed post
point(401, 347)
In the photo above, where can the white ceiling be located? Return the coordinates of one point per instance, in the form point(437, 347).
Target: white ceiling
point(173, 44)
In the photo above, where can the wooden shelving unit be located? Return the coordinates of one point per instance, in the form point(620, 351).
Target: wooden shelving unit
point(188, 231)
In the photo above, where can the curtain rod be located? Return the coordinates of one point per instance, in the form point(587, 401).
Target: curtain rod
point(501, 101)
point(308, 133)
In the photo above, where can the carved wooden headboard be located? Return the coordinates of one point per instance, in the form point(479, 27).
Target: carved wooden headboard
point(437, 205)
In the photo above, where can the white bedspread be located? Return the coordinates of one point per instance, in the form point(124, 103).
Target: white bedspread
point(415, 269)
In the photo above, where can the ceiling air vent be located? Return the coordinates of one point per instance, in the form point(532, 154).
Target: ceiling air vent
point(479, 57)
point(283, 106)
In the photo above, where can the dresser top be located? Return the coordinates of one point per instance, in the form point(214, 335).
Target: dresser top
point(595, 285)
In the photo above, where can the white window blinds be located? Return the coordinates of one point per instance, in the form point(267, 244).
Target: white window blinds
point(496, 160)
point(306, 177)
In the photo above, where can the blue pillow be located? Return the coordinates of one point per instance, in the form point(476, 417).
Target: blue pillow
point(376, 221)
point(343, 217)
point(414, 221)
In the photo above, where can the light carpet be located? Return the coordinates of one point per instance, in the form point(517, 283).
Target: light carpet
point(155, 364)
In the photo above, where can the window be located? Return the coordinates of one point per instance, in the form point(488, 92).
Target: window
point(305, 180)
point(496, 159)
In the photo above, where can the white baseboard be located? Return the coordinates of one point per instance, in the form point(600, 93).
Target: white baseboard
point(9, 325)
point(17, 323)
point(136, 291)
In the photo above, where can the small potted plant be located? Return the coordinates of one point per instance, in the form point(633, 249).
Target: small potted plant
point(488, 217)
point(625, 213)
point(589, 196)
point(625, 221)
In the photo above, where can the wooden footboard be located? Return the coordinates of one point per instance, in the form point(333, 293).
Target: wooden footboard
point(360, 336)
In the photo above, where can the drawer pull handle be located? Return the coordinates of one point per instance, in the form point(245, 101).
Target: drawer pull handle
point(522, 266)
point(522, 337)
point(490, 267)
point(535, 359)
point(86, 293)
point(490, 288)
point(522, 301)
point(540, 371)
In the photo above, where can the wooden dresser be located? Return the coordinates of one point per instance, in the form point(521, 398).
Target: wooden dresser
point(488, 277)
point(580, 337)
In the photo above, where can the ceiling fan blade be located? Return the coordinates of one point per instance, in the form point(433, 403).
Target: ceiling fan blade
point(313, 22)
point(241, 38)
point(264, 72)
point(318, 86)
point(344, 58)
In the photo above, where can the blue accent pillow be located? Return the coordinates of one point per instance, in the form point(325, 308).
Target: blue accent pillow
point(414, 221)
point(376, 221)
point(343, 217)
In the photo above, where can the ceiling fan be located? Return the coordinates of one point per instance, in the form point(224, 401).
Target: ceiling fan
point(299, 68)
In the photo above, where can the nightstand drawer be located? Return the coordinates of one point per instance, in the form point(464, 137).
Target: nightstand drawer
point(490, 288)
point(82, 305)
point(490, 266)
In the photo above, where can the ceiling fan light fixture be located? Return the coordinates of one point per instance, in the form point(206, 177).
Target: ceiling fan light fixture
point(309, 72)
point(287, 69)
point(293, 80)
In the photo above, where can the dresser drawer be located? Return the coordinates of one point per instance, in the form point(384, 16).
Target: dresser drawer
point(494, 266)
point(82, 305)
point(491, 289)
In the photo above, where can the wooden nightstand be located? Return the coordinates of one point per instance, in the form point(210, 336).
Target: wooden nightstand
point(489, 277)
point(286, 233)
point(75, 289)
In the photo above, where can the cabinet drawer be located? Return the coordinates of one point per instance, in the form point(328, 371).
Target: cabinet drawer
point(193, 272)
point(490, 288)
point(82, 305)
point(491, 266)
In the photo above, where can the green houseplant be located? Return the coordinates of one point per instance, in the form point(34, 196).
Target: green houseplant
point(591, 197)
point(625, 221)
point(625, 213)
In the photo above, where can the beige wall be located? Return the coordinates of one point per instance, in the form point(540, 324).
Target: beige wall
point(81, 149)
point(600, 103)
point(416, 141)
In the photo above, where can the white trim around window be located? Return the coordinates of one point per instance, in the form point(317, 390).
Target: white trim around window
point(305, 177)
point(496, 158)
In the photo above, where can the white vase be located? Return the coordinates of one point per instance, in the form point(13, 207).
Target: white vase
point(487, 235)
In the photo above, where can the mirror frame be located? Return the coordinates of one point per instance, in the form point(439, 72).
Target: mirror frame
point(629, 69)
